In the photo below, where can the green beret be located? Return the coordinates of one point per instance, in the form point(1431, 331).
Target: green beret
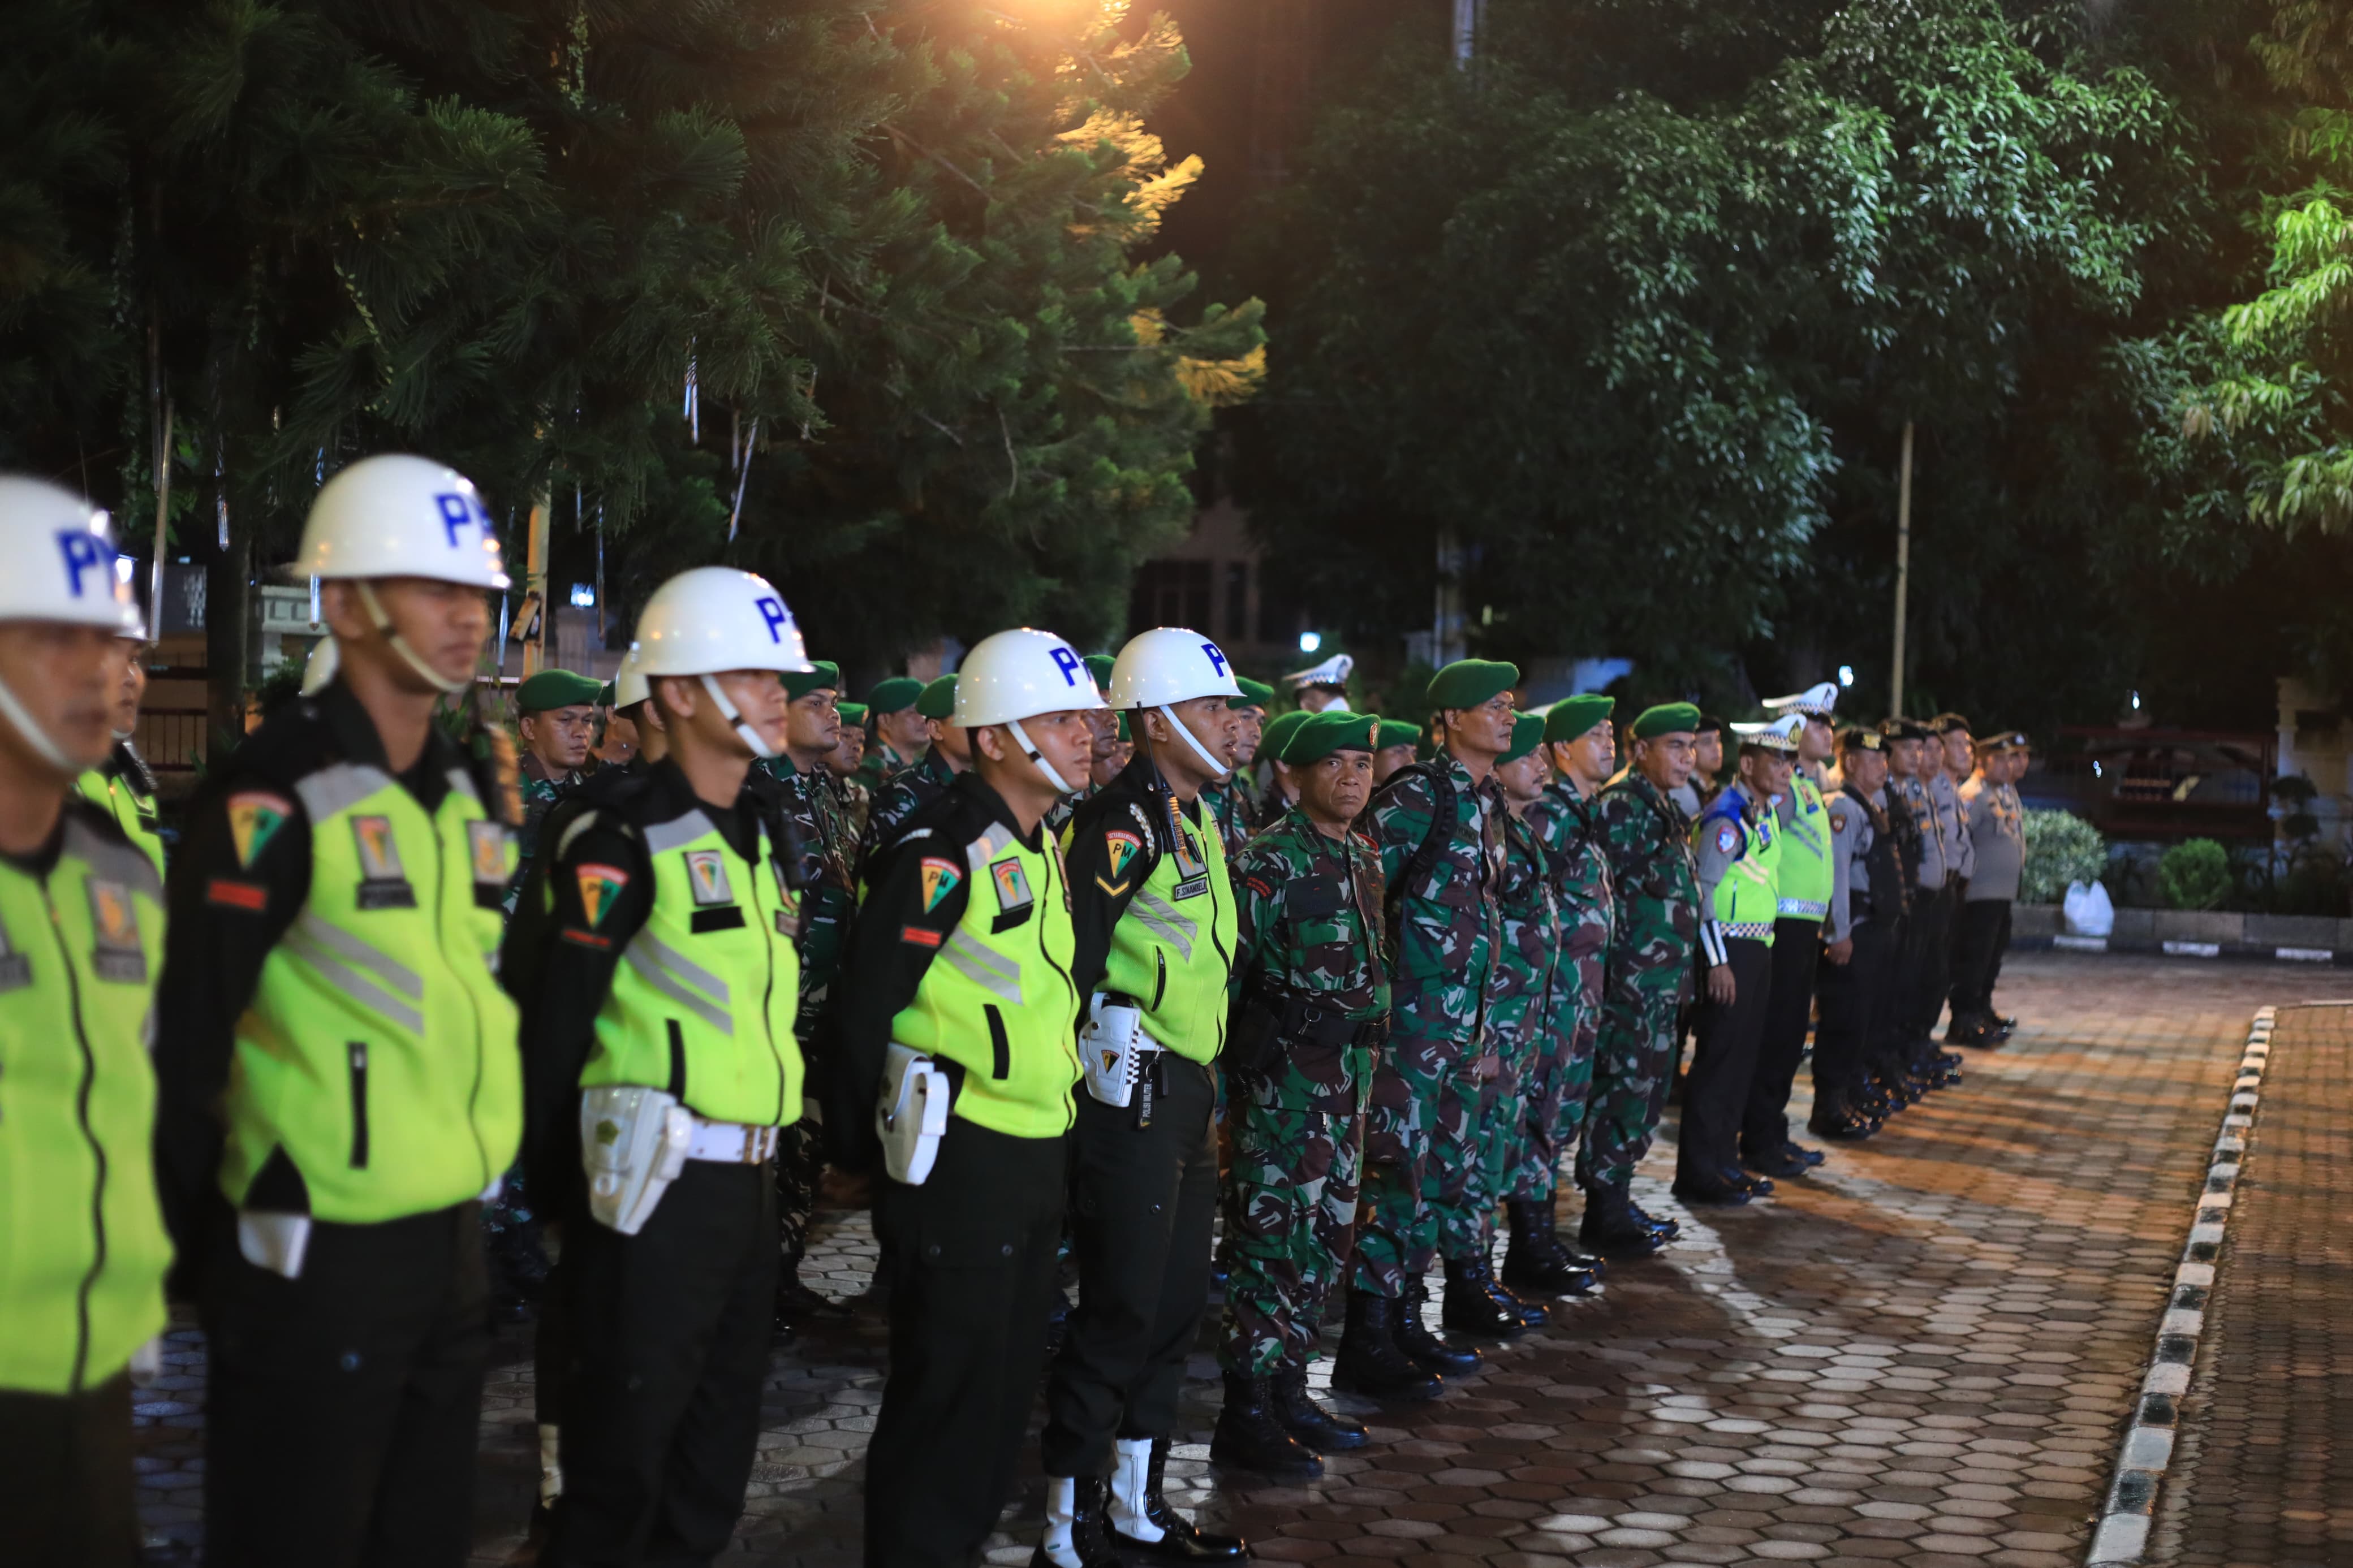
point(825, 677)
point(1255, 693)
point(851, 713)
point(938, 701)
point(1279, 729)
point(1573, 716)
point(1326, 732)
point(1123, 729)
point(1397, 732)
point(555, 689)
point(1528, 734)
point(1667, 719)
point(891, 695)
point(1099, 665)
point(1467, 682)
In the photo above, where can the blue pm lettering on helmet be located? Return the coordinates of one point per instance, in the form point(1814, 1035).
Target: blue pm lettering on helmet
point(457, 511)
point(772, 610)
point(79, 548)
point(1216, 656)
point(1068, 663)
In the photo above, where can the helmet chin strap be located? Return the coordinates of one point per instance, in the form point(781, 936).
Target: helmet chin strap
point(744, 732)
point(415, 661)
point(35, 736)
point(1217, 769)
point(1039, 757)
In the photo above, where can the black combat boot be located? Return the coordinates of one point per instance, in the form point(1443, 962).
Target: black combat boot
point(1248, 1437)
point(1425, 1350)
point(1534, 1260)
point(1775, 1161)
point(1470, 1304)
point(1370, 1362)
point(1310, 1422)
point(1142, 1524)
point(1611, 1228)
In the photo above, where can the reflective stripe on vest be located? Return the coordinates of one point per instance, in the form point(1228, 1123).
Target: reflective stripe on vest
point(1745, 896)
point(1803, 875)
point(703, 1001)
point(997, 998)
point(1173, 949)
point(82, 1246)
point(378, 1051)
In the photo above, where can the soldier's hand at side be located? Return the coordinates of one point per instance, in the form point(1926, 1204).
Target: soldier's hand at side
point(1839, 951)
point(1719, 986)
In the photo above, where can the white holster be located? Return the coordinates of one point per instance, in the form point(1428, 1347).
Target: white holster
point(912, 1113)
point(633, 1143)
point(1115, 1051)
point(278, 1242)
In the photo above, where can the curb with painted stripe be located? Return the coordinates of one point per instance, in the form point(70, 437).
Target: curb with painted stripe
point(2147, 1448)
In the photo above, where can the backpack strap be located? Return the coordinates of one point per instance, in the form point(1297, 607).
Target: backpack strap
point(1442, 819)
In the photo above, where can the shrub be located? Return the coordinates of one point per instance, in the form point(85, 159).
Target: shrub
point(2196, 875)
point(2061, 847)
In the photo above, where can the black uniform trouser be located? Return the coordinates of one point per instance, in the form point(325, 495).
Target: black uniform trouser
point(1765, 1124)
point(1980, 933)
point(341, 1407)
point(1932, 961)
point(665, 1341)
point(1722, 1063)
point(971, 1255)
point(1142, 1202)
point(1887, 1051)
point(65, 1477)
point(1850, 994)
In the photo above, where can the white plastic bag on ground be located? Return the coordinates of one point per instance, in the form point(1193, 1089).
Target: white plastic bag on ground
point(2089, 912)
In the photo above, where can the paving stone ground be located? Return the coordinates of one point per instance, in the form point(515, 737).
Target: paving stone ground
point(2256, 1477)
point(1922, 1354)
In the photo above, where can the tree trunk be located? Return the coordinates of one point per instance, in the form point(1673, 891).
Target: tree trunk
point(227, 609)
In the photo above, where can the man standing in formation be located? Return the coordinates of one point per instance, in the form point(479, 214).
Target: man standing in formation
point(1802, 886)
point(1981, 931)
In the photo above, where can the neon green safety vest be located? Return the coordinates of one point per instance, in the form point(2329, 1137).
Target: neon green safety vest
point(378, 1051)
point(133, 812)
point(1803, 875)
point(1173, 949)
point(1747, 896)
point(82, 1244)
point(703, 1001)
point(997, 998)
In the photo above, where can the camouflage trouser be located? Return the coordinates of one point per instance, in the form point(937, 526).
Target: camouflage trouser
point(1507, 1102)
point(1424, 1190)
point(1578, 1026)
point(1289, 1210)
point(800, 1166)
point(1537, 1122)
point(1633, 1062)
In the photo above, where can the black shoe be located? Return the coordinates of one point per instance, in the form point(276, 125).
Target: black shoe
point(1250, 1436)
point(1778, 1163)
point(1310, 1422)
point(1090, 1529)
point(1471, 1307)
point(1660, 1226)
point(1755, 1186)
point(1611, 1228)
point(1424, 1349)
point(1371, 1363)
point(1807, 1157)
point(1710, 1188)
point(1533, 1259)
point(1181, 1541)
point(1971, 1031)
point(1532, 1311)
point(1840, 1125)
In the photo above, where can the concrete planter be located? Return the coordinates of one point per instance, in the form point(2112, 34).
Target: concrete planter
point(2211, 926)
point(2206, 934)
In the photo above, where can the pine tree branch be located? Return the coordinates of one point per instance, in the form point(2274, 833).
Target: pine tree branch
point(936, 158)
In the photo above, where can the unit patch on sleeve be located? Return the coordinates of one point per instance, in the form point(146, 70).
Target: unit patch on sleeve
point(941, 877)
point(254, 818)
point(600, 887)
point(1838, 822)
point(1727, 838)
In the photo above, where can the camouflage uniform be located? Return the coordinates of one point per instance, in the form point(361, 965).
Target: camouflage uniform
point(1519, 1104)
point(1237, 813)
point(1423, 1188)
point(824, 851)
point(1315, 985)
point(910, 790)
point(851, 798)
point(1648, 976)
point(876, 768)
point(540, 790)
point(1569, 827)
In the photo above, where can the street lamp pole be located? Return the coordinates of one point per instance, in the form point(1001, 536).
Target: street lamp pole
point(1903, 567)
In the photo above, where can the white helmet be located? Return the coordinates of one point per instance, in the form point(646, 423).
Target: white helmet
point(714, 618)
point(321, 666)
point(629, 687)
point(60, 556)
point(1171, 665)
point(397, 516)
point(1011, 676)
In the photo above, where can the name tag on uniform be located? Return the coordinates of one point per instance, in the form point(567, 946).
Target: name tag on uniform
point(383, 885)
point(118, 955)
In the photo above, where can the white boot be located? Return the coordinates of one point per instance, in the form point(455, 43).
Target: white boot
point(1061, 1513)
point(551, 1474)
point(1131, 1491)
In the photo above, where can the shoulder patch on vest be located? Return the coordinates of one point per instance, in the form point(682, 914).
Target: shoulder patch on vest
point(941, 876)
point(255, 815)
point(1838, 822)
point(1727, 837)
point(1120, 846)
